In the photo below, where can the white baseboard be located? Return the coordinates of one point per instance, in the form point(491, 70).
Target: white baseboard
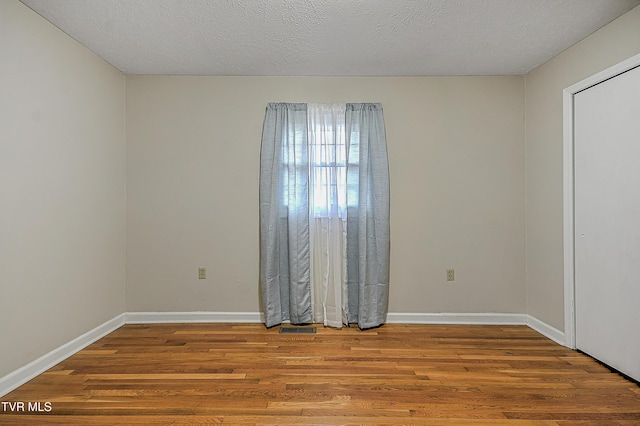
point(22, 375)
point(548, 331)
point(185, 317)
point(481, 319)
point(454, 318)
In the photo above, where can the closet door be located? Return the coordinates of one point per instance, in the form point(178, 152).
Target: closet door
point(607, 221)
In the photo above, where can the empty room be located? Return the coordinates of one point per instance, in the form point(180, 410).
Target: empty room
point(319, 212)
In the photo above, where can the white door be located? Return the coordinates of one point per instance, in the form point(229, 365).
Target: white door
point(607, 221)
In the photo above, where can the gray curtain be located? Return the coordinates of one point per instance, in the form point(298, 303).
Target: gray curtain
point(368, 241)
point(284, 216)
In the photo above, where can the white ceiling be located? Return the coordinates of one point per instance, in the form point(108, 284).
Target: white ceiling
point(329, 37)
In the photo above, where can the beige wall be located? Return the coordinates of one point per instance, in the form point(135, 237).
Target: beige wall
point(456, 152)
point(545, 270)
point(62, 188)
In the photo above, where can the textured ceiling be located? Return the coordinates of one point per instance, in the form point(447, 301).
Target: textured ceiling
point(329, 37)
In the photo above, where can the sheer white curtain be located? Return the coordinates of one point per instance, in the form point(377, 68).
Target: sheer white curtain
point(327, 212)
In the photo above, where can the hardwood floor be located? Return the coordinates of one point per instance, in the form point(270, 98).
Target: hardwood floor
point(396, 374)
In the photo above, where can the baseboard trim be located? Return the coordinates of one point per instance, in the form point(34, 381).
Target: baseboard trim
point(23, 374)
point(187, 317)
point(481, 319)
point(548, 331)
point(456, 318)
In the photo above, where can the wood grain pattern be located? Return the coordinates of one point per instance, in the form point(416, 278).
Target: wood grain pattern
point(396, 374)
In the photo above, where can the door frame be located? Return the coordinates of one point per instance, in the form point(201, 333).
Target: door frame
point(569, 185)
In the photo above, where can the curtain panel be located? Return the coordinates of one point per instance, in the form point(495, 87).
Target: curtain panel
point(368, 243)
point(327, 210)
point(285, 216)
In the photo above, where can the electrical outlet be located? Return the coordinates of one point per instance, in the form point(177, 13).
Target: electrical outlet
point(202, 273)
point(450, 275)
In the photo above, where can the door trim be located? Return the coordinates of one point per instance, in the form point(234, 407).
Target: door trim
point(569, 185)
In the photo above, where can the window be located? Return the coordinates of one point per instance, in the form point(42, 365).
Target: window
point(327, 161)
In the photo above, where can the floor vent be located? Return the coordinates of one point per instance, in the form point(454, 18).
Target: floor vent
point(297, 330)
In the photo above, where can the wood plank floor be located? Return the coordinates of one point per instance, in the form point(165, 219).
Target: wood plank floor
point(395, 374)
